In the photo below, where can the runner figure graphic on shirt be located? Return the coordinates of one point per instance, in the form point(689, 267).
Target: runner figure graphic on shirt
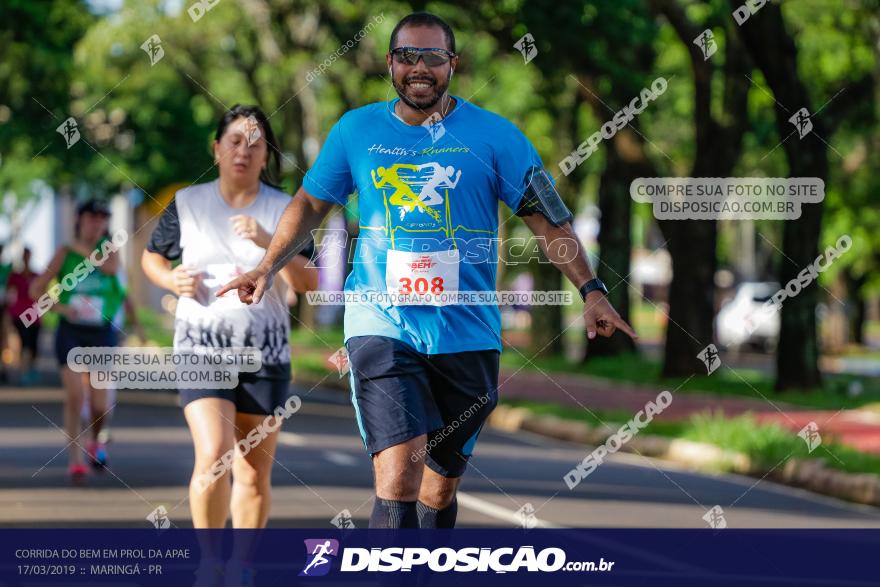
point(440, 178)
point(403, 194)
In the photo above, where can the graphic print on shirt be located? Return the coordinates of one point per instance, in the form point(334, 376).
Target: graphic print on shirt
point(416, 197)
point(271, 339)
point(204, 239)
point(411, 208)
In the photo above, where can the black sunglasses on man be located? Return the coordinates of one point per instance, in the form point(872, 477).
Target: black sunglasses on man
point(431, 56)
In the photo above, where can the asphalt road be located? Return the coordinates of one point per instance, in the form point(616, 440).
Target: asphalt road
point(322, 470)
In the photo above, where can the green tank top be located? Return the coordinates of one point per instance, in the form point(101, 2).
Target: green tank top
point(96, 297)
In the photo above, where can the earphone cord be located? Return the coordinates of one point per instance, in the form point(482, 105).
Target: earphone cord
point(445, 110)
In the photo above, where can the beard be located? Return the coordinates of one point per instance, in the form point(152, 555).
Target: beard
point(420, 100)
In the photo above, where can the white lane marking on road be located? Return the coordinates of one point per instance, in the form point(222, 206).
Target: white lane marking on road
point(487, 508)
point(340, 458)
point(291, 439)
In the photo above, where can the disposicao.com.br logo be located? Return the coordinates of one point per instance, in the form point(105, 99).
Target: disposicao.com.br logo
point(440, 560)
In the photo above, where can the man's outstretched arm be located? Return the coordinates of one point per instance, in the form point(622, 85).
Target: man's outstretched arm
point(303, 215)
point(564, 249)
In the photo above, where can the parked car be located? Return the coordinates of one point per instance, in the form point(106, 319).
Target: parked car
point(743, 321)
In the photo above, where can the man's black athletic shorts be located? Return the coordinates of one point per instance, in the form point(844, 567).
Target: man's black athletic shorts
point(399, 393)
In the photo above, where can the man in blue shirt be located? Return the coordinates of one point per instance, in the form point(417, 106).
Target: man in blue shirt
point(421, 328)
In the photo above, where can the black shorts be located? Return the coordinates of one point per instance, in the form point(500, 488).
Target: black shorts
point(29, 335)
point(69, 336)
point(253, 394)
point(399, 393)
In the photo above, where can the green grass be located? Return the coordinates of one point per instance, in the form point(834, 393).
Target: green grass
point(613, 418)
point(310, 349)
point(767, 445)
point(325, 338)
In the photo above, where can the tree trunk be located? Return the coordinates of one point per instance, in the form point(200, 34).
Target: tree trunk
point(615, 240)
point(858, 307)
point(692, 243)
point(774, 52)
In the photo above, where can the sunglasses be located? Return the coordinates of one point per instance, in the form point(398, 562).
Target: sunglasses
point(431, 56)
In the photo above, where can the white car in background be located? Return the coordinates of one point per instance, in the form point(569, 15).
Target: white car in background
point(742, 321)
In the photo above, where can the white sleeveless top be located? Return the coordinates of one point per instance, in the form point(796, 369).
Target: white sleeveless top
point(209, 243)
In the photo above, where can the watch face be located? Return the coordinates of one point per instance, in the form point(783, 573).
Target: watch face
point(593, 285)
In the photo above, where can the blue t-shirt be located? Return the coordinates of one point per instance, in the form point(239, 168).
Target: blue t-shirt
point(425, 189)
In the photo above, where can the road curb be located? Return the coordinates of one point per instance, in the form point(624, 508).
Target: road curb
point(810, 474)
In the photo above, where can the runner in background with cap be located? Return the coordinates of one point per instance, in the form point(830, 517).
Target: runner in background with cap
point(87, 302)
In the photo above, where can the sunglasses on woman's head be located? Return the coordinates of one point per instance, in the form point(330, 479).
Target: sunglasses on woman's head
point(431, 56)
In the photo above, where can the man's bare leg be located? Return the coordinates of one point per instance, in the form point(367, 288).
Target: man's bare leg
point(437, 507)
point(398, 478)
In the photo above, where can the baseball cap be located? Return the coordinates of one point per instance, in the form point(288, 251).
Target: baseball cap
point(95, 206)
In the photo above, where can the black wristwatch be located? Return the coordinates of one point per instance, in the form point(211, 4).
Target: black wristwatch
point(592, 285)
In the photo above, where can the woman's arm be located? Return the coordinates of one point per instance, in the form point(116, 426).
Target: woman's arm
point(158, 270)
point(178, 280)
point(41, 282)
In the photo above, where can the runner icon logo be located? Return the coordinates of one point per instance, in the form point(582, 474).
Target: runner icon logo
point(339, 359)
point(715, 518)
point(810, 434)
point(343, 520)
point(801, 121)
point(318, 561)
point(526, 516)
point(434, 125)
point(69, 130)
point(526, 46)
point(709, 356)
point(159, 518)
point(706, 43)
point(153, 48)
point(252, 130)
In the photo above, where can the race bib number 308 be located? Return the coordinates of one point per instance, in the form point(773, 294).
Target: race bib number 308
point(422, 278)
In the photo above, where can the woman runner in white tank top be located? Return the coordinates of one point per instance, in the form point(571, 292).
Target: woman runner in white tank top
point(218, 229)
